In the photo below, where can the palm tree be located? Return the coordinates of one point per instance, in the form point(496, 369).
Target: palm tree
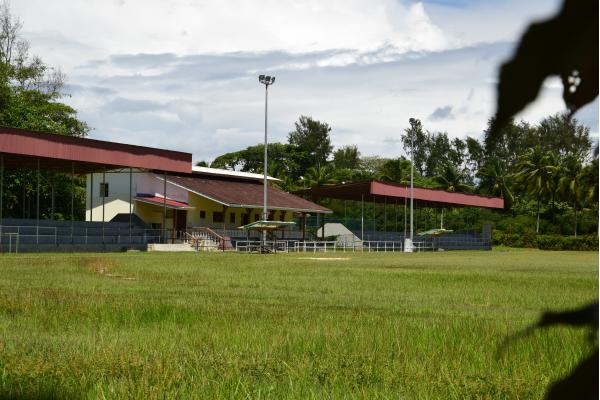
point(537, 172)
point(589, 182)
point(495, 180)
point(452, 179)
point(397, 171)
point(319, 176)
point(569, 184)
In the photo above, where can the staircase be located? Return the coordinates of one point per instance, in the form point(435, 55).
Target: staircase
point(205, 239)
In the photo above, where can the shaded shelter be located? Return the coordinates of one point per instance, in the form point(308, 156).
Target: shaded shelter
point(23, 149)
point(392, 193)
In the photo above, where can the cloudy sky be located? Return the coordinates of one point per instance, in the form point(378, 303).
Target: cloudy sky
point(182, 74)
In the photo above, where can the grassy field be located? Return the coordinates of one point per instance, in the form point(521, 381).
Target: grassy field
point(410, 326)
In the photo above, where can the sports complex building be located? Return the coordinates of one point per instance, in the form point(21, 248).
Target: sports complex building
point(146, 198)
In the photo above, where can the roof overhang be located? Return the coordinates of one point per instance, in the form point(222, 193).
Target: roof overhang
point(230, 199)
point(25, 149)
point(161, 202)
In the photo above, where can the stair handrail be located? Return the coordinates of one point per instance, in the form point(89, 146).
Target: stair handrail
point(220, 239)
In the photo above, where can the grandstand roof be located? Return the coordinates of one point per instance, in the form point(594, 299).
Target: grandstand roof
point(392, 192)
point(243, 193)
point(22, 149)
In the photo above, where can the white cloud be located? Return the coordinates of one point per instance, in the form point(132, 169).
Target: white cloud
point(181, 74)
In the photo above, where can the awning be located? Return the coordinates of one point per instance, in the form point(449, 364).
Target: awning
point(267, 225)
point(435, 232)
point(160, 201)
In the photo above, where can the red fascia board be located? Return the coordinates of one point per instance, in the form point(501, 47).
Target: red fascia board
point(437, 196)
point(38, 144)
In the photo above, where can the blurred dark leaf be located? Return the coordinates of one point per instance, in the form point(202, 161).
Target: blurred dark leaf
point(582, 383)
point(585, 316)
point(566, 46)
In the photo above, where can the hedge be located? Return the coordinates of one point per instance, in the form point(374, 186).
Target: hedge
point(545, 242)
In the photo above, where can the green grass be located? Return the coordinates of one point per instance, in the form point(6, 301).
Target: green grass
point(410, 326)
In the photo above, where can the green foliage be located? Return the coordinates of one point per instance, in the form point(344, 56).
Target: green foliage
point(545, 242)
point(30, 94)
point(452, 180)
point(311, 142)
point(347, 157)
point(415, 142)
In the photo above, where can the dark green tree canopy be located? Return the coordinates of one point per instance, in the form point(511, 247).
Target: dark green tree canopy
point(347, 157)
point(312, 142)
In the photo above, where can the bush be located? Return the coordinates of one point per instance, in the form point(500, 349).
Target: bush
point(545, 242)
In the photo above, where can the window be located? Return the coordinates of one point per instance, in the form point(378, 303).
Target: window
point(282, 216)
point(218, 216)
point(202, 214)
point(103, 189)
point(256, 217)
point(232, 218)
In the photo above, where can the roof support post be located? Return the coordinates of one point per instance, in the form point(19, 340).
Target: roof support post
point(164, 221)
point(91, 195)
point(103, 194)
point(37, 227)
point(52, 197)
point(1, 194)
point(362, 217)
point(396, 215)
point(303, 226)
point(72, 199)
point(374, 216)
point(385, 215)
point(130, 200)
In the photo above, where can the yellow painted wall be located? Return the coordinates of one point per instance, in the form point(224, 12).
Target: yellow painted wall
point(152, 214)
point(203, 204)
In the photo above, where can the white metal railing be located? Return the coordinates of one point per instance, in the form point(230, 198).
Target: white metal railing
point(329, 246)
point(423, 246)
point(315, 246)
point(39, 232)
point(258, 246)
point(9, 242)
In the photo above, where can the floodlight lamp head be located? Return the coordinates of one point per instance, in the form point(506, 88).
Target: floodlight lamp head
point(272, 80)
point(261, 78)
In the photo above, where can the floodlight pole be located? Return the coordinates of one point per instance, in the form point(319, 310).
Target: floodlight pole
point(265, 80)
point(408, 244)
point(412, 167)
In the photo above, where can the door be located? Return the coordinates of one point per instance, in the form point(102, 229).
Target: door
point(180, 220)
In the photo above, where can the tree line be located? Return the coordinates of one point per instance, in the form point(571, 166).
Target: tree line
point(547, 171)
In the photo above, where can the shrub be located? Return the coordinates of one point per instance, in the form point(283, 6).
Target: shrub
point(545, 242)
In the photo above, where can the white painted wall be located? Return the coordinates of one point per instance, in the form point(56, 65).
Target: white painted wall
point(117, 201)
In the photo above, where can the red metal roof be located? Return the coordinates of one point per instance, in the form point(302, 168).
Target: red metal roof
point(244, 193)
point(393, 192)
point(160, 201)
point(22, 149)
